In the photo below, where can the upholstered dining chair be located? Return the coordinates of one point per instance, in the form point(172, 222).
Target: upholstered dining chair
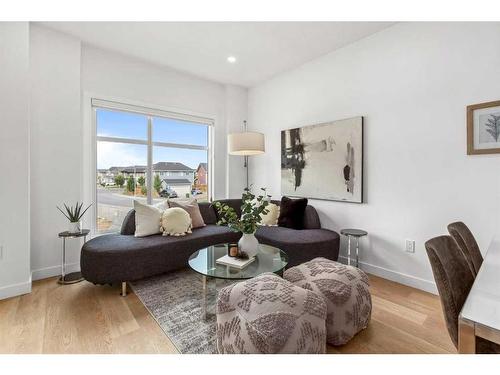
point(467, 243)
point(454, 279)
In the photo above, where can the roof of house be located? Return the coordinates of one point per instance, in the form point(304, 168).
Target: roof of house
point(134, 169)
point(160, 166)
point(203, 165)
point(177, 181)
point(171, 166)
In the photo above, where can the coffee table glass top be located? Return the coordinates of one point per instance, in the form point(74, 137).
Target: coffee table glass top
point(268, 259)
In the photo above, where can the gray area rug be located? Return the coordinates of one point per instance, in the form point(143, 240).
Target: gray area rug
point(175, 300)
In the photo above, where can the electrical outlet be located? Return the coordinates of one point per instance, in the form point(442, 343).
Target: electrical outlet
point(410, 246)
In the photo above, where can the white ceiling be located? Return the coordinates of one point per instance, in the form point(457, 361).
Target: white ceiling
point(262, 49)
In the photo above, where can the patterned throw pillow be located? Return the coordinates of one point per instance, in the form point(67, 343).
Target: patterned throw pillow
point(175, 221)
point(192, 208)
point(148, 217)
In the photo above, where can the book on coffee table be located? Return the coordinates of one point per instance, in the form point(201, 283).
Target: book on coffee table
point(238, 263)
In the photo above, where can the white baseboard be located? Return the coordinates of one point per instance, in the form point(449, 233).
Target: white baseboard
point(44, 273)
point(402, 278)
point(15, 289)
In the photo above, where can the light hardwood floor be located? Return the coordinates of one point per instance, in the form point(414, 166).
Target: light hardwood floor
point(84, 318)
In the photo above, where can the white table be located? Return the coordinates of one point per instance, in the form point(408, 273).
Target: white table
point(480, 315)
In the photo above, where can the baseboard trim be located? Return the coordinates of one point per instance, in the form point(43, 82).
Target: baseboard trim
point(44, 273)
point(402, 278)
point(15, 289)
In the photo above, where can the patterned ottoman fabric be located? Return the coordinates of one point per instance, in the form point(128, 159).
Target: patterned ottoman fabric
point(345, 290)
point(267, 314)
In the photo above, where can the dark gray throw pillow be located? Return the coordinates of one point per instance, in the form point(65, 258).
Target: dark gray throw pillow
point(292, 213)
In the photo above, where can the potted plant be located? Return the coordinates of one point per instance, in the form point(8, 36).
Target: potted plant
point(74, 215)
point(251, 210)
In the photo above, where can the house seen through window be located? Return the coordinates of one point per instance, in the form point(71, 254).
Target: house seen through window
point(147, 157)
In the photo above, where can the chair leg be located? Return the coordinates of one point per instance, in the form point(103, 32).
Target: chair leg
point(124, 289)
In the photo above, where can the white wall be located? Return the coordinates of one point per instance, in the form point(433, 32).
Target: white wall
point(56, 146)
point(412, 83)
point(14, 159)
point(236, 113)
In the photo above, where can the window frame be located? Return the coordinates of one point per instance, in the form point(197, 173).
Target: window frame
point(150, 113)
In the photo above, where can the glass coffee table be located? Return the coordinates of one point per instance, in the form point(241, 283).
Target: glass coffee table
point(203, 261)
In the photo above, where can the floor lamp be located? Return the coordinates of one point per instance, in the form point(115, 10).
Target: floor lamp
point(246, 144)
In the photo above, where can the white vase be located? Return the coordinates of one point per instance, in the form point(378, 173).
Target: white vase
point(74, 227)
point(249, 244)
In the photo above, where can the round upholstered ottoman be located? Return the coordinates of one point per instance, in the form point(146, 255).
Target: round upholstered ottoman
point(345, 290)
point(267, 314)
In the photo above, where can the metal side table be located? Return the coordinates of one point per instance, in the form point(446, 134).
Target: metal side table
point(74, 277)
point(356, 233)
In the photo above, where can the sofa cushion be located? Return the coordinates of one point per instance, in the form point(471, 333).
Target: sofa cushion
point(294, 236)
point(271, 218)
point(175, 221)
point(191, 207)
point(207, 212)
point(118, 244)
point(235, 204)
point(311, 218)
point(115, 257)
point(292, 213)
point(301, 245)
point(148, 218)
point(128, 225)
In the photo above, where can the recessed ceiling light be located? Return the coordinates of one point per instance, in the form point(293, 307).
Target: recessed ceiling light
point(231, 59)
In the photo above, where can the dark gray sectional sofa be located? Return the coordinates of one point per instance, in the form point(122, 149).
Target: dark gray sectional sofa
point(122, 257)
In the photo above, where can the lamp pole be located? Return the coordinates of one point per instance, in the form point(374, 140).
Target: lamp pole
point(245, 158)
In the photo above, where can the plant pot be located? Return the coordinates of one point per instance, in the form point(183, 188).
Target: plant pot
point(249, 244)
point(74, 227)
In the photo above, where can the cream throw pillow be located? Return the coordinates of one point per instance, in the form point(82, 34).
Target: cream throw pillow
point(175, 221)
point(271, 218)
point(148, 218)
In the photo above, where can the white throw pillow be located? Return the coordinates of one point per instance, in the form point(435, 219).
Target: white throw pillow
point(271, 218)
point(148, 218)
point(175, 221)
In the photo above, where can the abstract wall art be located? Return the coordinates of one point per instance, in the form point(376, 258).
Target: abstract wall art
point(483, 128)
point(324, 161)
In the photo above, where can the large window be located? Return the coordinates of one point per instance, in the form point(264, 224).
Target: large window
point(149, 155)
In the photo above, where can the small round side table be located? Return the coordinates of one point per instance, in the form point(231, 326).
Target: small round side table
point(350, 233)
point(73, 277)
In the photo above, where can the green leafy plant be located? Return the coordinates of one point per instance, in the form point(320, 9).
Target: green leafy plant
point(157, 183)
point(144, 190)
point(251, 209)
point(130, 184)
point(141, 181)
point(74, 214)
point(119, 180)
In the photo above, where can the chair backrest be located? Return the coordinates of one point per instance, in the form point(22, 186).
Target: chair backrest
point(467, 244)
point(453, 278)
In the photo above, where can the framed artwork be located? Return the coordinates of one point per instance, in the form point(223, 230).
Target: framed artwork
point(324, 161)
point(483, 128)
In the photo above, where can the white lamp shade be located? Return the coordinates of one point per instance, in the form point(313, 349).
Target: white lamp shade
point(245, 144)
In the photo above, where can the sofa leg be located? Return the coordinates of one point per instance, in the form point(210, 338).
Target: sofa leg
point(124, 289)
